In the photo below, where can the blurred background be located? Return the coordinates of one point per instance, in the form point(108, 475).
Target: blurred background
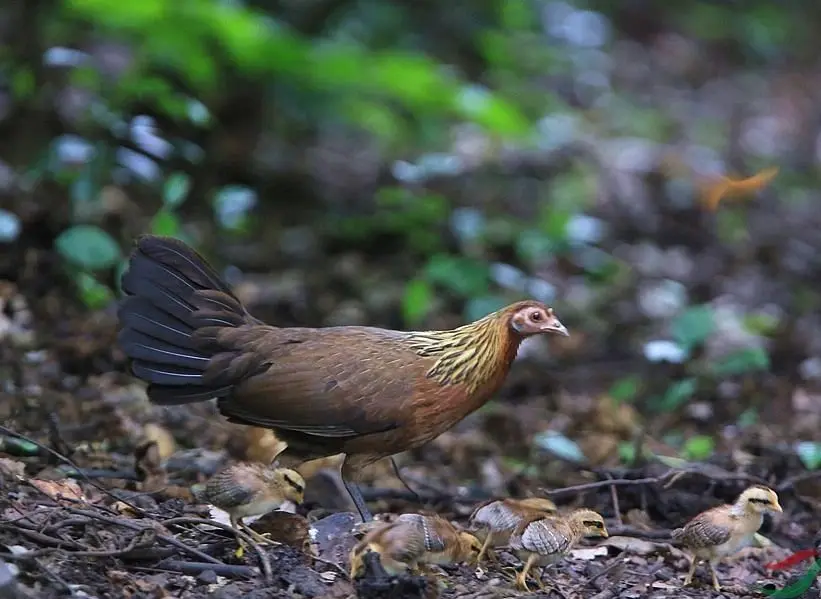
point(418, 164)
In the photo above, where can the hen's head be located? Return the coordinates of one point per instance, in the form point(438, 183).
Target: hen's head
point(534, 318)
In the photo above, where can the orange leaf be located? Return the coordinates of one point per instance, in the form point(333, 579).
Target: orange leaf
point(715, 190)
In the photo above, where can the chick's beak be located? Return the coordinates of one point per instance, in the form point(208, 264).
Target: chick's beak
point(777, 507)
point(604, 533)
point(555, 326)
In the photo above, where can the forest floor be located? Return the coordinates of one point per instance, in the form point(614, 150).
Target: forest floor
point(76, 520)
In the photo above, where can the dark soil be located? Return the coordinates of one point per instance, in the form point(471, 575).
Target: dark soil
point(112, 529)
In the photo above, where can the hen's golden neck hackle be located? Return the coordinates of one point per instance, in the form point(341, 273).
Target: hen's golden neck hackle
point(477, 353)
point(471, 354)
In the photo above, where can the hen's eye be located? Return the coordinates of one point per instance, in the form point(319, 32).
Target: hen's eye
point(536, 316)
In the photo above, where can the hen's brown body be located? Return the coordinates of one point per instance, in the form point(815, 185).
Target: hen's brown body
point(366, 392)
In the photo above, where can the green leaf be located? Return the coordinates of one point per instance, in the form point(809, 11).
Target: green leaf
point(742, 361)
point(88, 247)
point(175, 190)
point(627, 452)
point(625, 389)
point(463, 276)
point(748, 418)
point(677, 395)
point(699, 447)
point(417, 301)
point(94, 294)
point(560, 446)
point(495, 114)
point(693, 326)
point(477, 307)
point(809, 452)
point(165, 223)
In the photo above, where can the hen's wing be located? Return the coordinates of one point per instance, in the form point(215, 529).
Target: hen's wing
point(317, 379)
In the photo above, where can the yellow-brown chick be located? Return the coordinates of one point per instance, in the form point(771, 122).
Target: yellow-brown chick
point(412, 541)
point(249, 489)
point(493, 521)
point(543, 540)
point(724, 530)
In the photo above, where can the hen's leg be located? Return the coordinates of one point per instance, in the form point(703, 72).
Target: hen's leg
point(348, 473)
point(403, 481)
point(358, 501)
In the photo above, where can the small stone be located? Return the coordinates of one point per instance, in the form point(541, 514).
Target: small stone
point(207, 577)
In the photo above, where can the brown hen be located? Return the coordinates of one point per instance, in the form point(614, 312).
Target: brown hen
point(366, 392)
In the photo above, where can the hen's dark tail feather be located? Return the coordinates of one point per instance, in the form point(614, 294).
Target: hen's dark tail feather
point(169, 322)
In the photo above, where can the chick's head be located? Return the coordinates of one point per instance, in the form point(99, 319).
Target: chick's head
point(289, 482)
point(469, 546)
point(589, 523)
point(759, 499)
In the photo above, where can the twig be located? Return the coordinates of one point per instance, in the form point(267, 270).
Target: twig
point(789, 483)
point(668, 478)
point(614, 496)
point(264, 562)
point(160, 537)
point(632, 531)
point(195, 568)
point(68, 461)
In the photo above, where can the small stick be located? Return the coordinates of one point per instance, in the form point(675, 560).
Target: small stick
point(160, 537)
point(194, 568)
point(264, 563)
point(68, 461)
point(614, 496)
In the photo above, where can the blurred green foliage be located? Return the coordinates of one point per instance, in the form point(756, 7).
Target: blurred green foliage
point(222, 78)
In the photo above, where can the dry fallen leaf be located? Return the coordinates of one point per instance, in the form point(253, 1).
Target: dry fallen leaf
point(59, 489)
point(589, 553)
point(9, 467)
point(714, 190)
point(637, 546)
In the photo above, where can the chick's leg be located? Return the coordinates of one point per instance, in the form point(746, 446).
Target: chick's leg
point(485, 545)
point(521, 577)
point(689, 577)
point(716, 585)
point(259, 538)
point(240, 543)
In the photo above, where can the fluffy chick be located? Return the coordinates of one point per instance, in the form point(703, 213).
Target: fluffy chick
point(493, 521)
point(414, 540)
point(543, 540)
point(249, 489)
point(724, 530)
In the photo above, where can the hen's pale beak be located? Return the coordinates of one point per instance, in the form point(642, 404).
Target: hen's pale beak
point(554, 326)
